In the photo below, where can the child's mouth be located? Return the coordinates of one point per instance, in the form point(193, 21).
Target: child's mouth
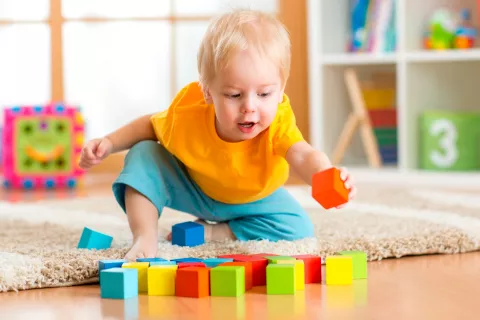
point(246, 127)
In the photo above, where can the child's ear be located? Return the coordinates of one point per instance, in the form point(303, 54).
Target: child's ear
point(207, 96)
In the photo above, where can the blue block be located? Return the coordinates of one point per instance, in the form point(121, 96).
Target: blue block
point(119, 283)
point(187, 260)
point(163, 263)
point(188, 234)
point(150, 260)
point(91, 239)
point(213, 262)
point(108, 264)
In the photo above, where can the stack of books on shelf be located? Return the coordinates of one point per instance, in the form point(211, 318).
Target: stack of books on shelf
point(372, 26)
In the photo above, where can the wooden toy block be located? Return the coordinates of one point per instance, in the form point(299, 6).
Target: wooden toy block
point(188, 234)
point(92, 239)
point(299, 266)
point(281, 279)
point(259, 272)
point(108, 264)
point(313, 268)
point(227, 281)
point(150, 259)
point(163, 263)
point(328, 188)
point(191, 264)
point(213, 262)
point(178, 260)
point(142, 268)
point(41, 146)
point(118, 283)
point(192, 282)
point(339, 270)
point(161, 280)
point(359, 261)
point(248, 272)
point(275, 259)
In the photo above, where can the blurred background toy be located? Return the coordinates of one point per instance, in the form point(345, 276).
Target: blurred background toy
point(41, 146)
point(447, 30)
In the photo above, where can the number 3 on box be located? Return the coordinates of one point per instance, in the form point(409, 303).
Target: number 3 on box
point(448, 143)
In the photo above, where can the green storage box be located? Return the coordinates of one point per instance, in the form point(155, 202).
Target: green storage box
point(449, 140)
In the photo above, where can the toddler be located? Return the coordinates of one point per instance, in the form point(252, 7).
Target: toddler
point(223, 148)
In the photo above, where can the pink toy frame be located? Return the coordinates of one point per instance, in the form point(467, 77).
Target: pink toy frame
point(14, 179)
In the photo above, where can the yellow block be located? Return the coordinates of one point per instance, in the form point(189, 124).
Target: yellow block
point(299, 272)
point(142, 268)
point(339, 270)
point(379, 98)
point(161, 280)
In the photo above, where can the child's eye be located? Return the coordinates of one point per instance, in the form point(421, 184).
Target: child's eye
point(264, 94)
point(234, 96)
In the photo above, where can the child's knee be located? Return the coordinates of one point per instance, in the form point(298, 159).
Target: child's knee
point(144, 149)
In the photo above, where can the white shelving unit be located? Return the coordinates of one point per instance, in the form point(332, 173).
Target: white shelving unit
point(424, 79)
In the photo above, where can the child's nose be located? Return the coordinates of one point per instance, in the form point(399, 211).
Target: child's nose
point(249, 105)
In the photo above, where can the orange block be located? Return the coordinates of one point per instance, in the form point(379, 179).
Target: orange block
point(193, 282)
point(328, 189)
point(248, 272)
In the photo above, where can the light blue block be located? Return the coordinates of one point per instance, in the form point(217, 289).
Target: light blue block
point(188, 234)
point(119, 283)
point(91, 239)
point(186, 260)
point(150, 260)
point(213, 262)
point(163, 263)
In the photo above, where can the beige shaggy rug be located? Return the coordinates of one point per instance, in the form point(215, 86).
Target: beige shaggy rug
point(38, 240)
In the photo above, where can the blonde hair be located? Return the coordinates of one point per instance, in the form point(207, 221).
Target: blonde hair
point(236, 31)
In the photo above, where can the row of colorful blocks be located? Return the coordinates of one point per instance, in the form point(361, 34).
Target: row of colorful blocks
point(227, 275)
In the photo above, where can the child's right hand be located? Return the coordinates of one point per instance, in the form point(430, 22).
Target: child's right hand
point(94, 152)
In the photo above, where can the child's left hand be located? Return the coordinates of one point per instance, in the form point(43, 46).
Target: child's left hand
point(349, 184)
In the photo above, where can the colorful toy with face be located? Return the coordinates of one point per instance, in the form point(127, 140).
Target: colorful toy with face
point(41, 146)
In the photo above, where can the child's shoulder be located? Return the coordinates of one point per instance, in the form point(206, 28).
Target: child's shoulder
point(190, 98)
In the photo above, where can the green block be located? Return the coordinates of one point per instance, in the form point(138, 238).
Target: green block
point(359, 263)
point(281, 279)
point(386, 136)
point(227, 281)
point(449, 140)
point(274, 259)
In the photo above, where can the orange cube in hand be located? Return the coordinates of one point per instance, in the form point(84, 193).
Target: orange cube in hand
point(328, 189)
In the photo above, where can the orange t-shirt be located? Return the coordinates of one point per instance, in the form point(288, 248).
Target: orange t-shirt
point(234, 173)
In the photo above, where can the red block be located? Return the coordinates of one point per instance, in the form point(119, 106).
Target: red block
point(313, 267)
point(193, 282)
point(259, 269)
point(383, 118)
point(328, 188)
point(248, 272)
point(191, 264)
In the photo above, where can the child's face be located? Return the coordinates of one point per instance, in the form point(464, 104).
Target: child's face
point(245, 95)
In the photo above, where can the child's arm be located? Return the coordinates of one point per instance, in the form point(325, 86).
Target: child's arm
point(122, 139)
point(127, 136)
point(306, 161)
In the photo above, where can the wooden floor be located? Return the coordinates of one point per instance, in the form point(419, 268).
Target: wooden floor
point(426, 287)
point(433, 287)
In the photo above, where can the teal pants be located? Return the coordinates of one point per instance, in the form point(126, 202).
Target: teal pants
point(154, 172)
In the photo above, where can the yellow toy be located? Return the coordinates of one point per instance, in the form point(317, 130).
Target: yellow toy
point(161, 280)
point(339, 270)
point(142, 268)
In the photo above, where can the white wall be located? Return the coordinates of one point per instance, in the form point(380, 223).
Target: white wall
point(115, 71)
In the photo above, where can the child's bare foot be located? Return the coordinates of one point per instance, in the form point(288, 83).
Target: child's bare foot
point(143, 247)
point(219, 231)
